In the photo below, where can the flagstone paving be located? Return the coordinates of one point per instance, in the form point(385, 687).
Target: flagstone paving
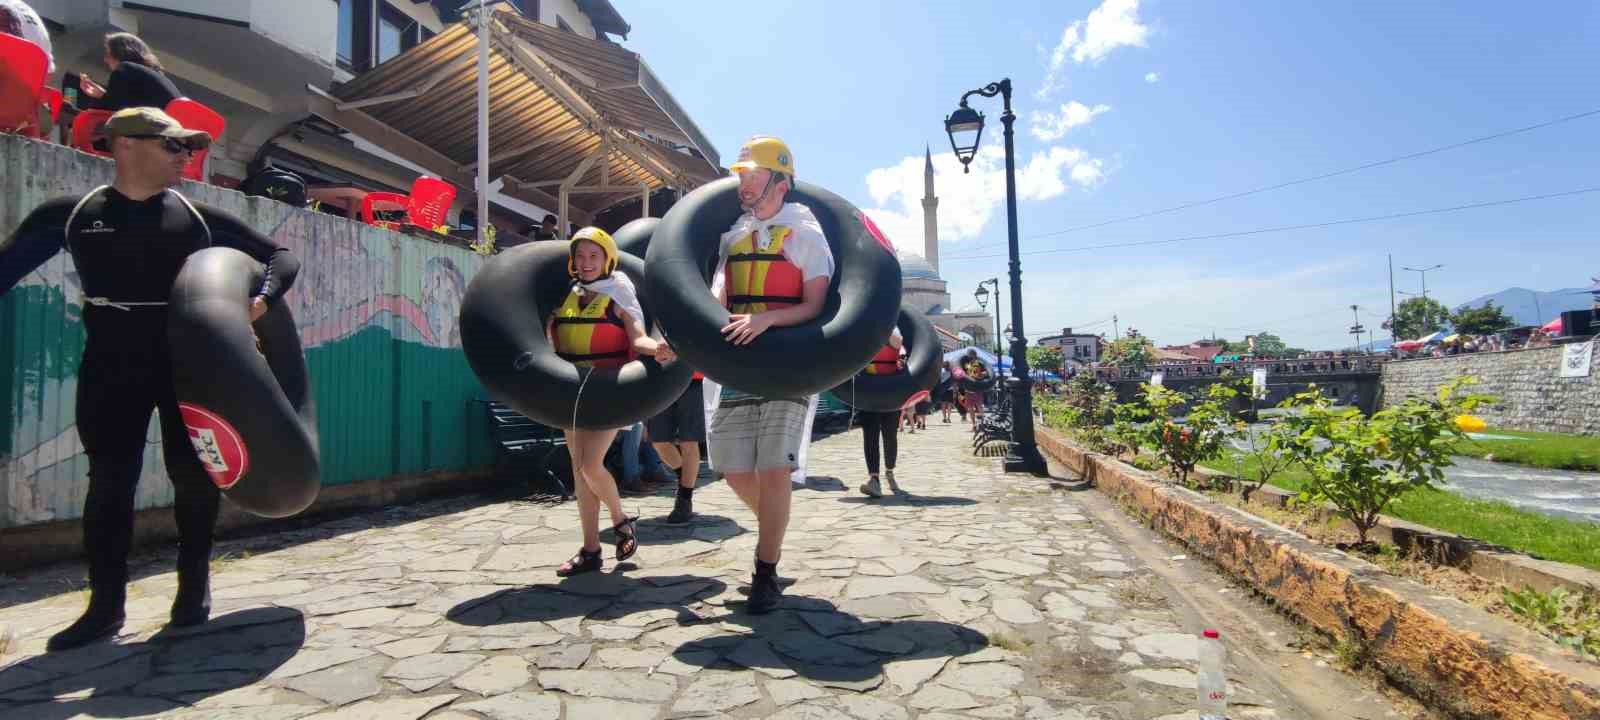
point(975, 595)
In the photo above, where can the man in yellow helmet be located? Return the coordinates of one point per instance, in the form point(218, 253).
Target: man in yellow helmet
point(775, 267)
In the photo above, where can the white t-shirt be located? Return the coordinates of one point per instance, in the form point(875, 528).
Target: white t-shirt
point(806, 247)
point(29, 27)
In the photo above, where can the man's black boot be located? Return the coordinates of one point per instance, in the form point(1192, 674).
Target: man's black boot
point(192, 605)
point(102, 620)
point(765, 594)
point(683, 507)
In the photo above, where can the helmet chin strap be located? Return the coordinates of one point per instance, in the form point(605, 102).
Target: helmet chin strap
point(765, 191)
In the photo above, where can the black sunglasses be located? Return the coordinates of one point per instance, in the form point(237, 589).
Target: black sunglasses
point(170, 144)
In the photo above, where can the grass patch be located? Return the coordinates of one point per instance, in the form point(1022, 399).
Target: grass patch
point(1007, 641)
point(1559, 539)
point(1538, 449)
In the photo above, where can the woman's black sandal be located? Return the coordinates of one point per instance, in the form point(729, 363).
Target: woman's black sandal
point(627, 537)
point(585, 561)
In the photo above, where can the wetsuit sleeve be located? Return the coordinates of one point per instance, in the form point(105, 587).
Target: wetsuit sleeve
point(281, 265)
point(40, 236)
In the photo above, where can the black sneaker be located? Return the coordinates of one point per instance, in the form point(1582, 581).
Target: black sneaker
point(765, 594)
point(682, 509)
point(96, 624)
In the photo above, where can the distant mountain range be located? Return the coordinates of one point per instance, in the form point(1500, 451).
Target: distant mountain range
point(1520, 303)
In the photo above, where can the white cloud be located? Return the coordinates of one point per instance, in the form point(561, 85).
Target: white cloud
point(1152, 77)
point(1051, 126)
point(1114, 24)
point(968, 201)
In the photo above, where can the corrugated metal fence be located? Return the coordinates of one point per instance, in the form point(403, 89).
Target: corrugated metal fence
point(377, 313)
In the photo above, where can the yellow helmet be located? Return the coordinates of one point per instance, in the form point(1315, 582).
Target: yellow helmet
point(765, 151)
point(598, 237)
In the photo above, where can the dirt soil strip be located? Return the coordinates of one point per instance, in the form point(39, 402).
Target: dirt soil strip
point(1454, 657)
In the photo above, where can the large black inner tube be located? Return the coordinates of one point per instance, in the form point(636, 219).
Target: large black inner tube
point(786, 362)
point(888, 393)
point(503, 319)
point(634, 237)
point(249, 412)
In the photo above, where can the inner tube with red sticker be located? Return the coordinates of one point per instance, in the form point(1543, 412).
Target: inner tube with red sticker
point(788, 362)
point(503, 320)
point(888, 393)
point(248, 408)
point(634, 237)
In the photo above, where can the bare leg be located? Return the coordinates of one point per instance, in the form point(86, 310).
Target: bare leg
point(689, 471)
point(772, 515)
point(588, 501)
point(669, 454)
point(748, 487)
point(593, 446)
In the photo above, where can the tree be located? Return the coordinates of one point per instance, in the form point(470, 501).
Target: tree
point(1419, 316)
point(1044, 358)
point(1269, 345)
point(1481, 320)
point(1135, 350)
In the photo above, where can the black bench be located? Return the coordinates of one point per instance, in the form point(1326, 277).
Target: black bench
point(528, 446)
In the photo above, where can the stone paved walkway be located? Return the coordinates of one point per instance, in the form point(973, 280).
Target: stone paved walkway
point(977, 595)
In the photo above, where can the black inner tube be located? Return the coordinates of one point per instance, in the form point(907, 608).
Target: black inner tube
point(790, 362)
point(503, 319)
point(249, 412)
point(887, 393)
point(634, 237)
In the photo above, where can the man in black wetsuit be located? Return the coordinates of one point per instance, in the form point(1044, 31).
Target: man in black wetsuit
point(128, 240)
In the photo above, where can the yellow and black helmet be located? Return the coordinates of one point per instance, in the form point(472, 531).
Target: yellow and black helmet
point(598, 237)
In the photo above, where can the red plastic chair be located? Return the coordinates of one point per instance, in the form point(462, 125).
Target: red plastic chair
point(22, 69)
point(196, 116)
point(430, 202)
point(84, 129)
point(369, 211)
point(52, 97)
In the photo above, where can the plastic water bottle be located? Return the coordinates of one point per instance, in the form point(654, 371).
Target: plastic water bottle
point(1211, 686)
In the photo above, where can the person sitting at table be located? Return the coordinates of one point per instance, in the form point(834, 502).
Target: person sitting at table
point(137, 78)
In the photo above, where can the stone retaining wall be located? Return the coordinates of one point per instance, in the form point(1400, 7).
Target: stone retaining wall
point(1531, 396)
point(1456, 658)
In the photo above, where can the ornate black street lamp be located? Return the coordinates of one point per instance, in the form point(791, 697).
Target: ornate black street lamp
point(982, 294)
point(965, 127)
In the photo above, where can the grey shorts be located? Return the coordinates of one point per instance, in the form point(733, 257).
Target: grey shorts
point(758, 435)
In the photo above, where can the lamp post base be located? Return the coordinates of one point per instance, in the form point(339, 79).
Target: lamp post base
point(1026, 459)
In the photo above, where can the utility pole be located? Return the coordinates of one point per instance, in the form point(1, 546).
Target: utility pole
point(1393, 337)
point(1424, 273)
point(1115, 333)
point(1356, 329)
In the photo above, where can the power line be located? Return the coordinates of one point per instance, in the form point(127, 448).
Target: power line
point(1286, 228)
point(1323, 176)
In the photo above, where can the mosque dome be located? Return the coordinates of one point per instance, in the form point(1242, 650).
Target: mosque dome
point(914, 267)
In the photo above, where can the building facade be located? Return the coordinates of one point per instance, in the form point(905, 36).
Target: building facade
point(1080, 349)
point(269, 68)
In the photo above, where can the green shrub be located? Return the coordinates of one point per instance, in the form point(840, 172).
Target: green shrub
point(1361, 464)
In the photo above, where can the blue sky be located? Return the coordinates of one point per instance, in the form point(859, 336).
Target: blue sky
point(1126, 107)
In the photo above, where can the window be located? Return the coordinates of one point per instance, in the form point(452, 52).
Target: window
point(373, 32)
point(396, 33)
point(562, 23)
point(347, 34)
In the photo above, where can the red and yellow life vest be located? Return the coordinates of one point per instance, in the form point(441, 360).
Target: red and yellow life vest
point(591, 335)
point(762, 279)
point(886, 362)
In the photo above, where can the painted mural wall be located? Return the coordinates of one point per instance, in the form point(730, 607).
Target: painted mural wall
point(377, 313)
